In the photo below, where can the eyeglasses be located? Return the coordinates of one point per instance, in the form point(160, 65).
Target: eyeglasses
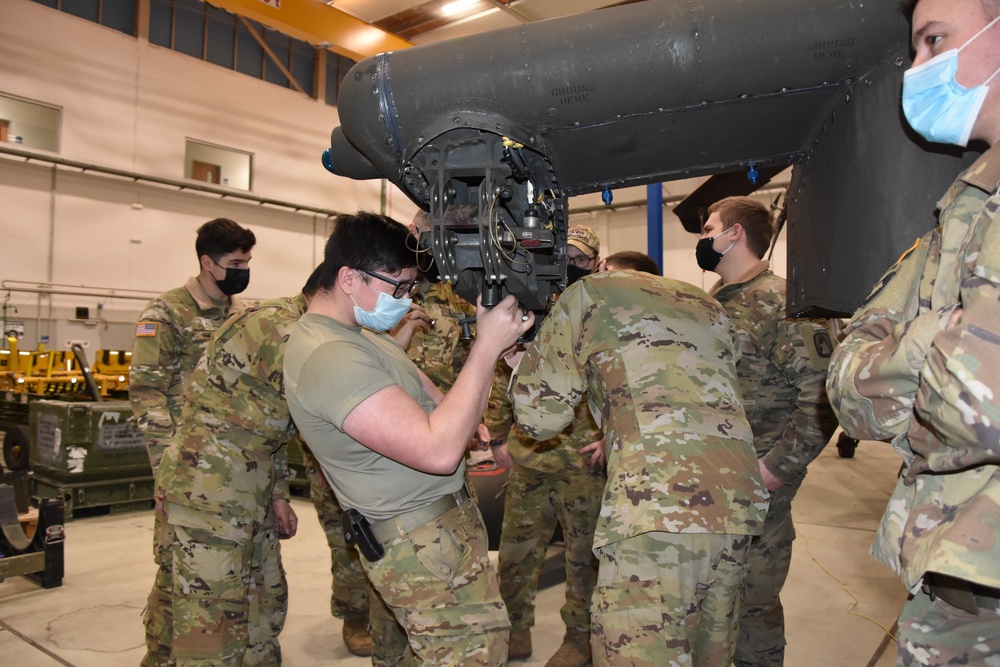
point(400, 290)
point(581, 261)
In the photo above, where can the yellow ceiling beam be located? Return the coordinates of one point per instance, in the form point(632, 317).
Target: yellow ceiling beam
point(319, 24)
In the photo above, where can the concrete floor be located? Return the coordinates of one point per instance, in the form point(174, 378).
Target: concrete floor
point(838, 601)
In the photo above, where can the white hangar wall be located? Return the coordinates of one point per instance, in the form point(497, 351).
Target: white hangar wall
point(131, 106)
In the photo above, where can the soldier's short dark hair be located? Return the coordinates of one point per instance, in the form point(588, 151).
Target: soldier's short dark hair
point(369, 242)
point(749, 214)
point(312, 282)
point(221, 236)
point(631, 260)
point(991, 7)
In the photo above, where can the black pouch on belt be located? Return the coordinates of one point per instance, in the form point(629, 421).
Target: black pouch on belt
point(358, 531)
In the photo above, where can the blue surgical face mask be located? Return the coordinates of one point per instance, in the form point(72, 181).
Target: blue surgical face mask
point(387, 313)
point(936, 105)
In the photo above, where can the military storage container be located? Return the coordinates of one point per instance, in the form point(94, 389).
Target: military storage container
point(90, 454)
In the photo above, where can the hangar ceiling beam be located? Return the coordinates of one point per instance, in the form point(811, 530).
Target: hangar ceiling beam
point(319, 24)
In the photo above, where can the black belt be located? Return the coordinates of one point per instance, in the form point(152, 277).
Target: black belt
point(399, 525)
point(964, 595)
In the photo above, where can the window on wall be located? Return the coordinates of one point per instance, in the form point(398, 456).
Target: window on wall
point(31, 124)
point(202, 31)
point(197, 29)
point(219, 165)
point(116, 14)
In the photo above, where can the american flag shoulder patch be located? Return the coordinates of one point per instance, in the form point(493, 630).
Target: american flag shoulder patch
point(145, 329)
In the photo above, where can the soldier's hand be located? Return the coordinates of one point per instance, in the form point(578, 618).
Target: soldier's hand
point(500, 327)
point(513, 356)
point(596, 451)
point(416, 318)
point(502, 457)
point(770, 481)
point(286, 523)
point(481, 439)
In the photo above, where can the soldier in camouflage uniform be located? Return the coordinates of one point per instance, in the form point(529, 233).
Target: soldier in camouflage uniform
point(169, 340)
point(656, 358)
point(782, 374)
point(392, 445)
point(350, 597)
point(919, 364)
point(224, 493)
point(438, 347)
point(551, 482)
point(432, 335)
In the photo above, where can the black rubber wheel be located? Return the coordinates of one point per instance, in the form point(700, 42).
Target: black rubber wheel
point(16, 447)
point(846, 446)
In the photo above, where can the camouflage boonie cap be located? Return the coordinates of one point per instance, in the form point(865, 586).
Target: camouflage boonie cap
point(584, 239)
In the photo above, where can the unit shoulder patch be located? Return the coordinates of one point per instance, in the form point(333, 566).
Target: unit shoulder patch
point(880, 285)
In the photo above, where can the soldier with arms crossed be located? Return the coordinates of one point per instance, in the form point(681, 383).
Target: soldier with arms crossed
point(920, 363)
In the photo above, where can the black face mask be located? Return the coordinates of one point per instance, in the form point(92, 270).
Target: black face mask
point(574, 273)
point(706, 254)
point(236, 281)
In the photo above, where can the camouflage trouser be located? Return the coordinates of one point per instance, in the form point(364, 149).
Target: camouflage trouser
point(230, 597)
point(761, 639)
point(442, 588)
point(533, 503)
point(352, 595)
point(668, 599)
point(390, 647)
point(158, 616)
point(933, 633)
point(350, 586)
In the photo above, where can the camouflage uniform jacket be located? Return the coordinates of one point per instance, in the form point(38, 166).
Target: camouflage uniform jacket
point(782, 373)
point(903, 374)
point(499, 416)
point(171, 334)
point(230, 448)
point(440, 352)
point(657, 357)
point(560, 454)
point(556, 455)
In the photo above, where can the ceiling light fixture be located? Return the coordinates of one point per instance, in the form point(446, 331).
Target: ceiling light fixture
point(458, 6)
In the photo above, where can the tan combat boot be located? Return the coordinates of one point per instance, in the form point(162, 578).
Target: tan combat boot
point(520, 645)
point(356, 637)
point(574, 652)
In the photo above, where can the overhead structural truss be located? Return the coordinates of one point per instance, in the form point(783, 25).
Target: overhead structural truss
point(319, 24)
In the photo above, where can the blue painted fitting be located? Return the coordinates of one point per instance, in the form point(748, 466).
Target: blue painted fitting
point(327, 163)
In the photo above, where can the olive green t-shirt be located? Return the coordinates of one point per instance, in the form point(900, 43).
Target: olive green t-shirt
point(330, 368)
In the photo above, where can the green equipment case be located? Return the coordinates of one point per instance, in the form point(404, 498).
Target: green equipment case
point(90, 454)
